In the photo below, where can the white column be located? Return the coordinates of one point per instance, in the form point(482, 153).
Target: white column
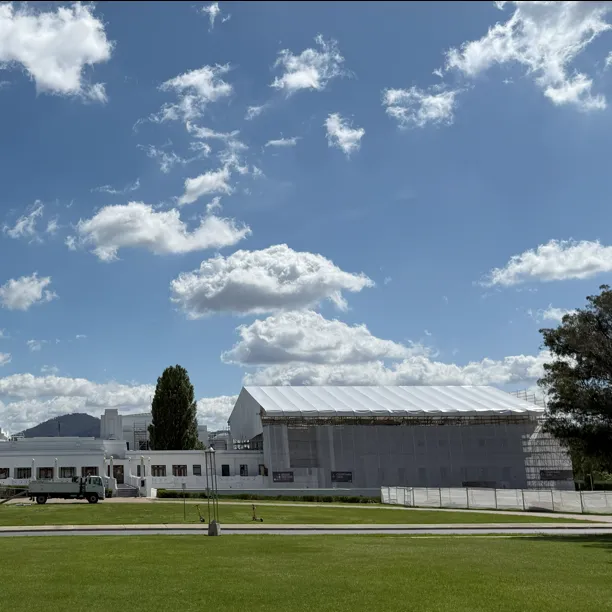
point(55, 472)
point(33, 474)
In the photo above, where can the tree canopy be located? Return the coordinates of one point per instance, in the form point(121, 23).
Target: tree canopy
point(174, 425)
point(578, 379)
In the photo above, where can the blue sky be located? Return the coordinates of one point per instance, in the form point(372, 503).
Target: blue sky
point(440, 183)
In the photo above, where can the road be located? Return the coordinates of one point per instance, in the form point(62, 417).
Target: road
point(315, 530)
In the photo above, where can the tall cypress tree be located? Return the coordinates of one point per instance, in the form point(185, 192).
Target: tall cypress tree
point(174, 424)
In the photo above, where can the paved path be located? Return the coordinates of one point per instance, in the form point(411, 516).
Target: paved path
point(437, 530)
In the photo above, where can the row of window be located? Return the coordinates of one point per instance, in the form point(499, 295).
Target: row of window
point(46, 473)
point(159, 471)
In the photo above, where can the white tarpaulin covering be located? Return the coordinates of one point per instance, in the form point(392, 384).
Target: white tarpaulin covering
point(388, 401)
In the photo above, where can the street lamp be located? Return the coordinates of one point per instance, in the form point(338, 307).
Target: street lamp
point(212, 492)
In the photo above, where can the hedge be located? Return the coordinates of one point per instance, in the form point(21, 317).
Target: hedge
point(344, 499)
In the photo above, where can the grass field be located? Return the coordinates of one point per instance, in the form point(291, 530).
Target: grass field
point(118, 514)
point(306, 573)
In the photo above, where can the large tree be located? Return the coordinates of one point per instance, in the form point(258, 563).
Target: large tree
point(174, 424)
point(578, 380)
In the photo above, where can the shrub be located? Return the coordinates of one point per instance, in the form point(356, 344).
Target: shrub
point(108, 493)
point(342, 499)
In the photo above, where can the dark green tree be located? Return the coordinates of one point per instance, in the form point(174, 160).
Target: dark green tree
point(174, 425)
point(578, 380)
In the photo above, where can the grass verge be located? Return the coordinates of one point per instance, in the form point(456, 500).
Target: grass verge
point(305, 573)
point(139, 513)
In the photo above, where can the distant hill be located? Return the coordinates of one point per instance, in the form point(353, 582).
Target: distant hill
point(78, 424)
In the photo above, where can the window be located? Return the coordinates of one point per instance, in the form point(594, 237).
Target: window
point(141, 470)
point(263, 470)
point(89, 471)
point(22, 473)
point(197, 470)
point(225, 471)
point(158, 471)
point(45, 473)
point(244, 469)
point(67, 472)
point(4, 473)
point(179, 470)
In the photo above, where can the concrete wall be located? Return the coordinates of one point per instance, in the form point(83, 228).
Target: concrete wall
point(402, 455)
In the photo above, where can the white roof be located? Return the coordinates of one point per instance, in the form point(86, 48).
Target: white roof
point(387, 401)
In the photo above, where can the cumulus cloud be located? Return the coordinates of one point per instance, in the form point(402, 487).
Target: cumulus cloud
point(25, 227)
point(415, 370)
point(25, 291)
point(545, 38)
point(215, 411)
point(4, 359)
point(311, 69)
point(282, 142)
point(273, 279)
point(113, 191)
point(54, 47)
point(549, 314)
point(211, 182)
point(555, 260)
point(340, 134)
point(26, 400)
point(162, 232)
point(195, 90)
point(308, 337)
point(416, 107)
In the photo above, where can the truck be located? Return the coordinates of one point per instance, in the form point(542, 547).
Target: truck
point(90, 488)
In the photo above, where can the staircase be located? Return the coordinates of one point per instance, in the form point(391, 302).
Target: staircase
point(126, 490)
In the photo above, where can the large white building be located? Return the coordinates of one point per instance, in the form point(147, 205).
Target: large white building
point(285, 439)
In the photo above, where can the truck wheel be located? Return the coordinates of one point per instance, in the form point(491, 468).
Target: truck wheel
point(41, 499)
point(92, 498)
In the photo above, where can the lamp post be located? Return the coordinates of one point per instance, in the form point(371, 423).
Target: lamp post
point(212, 493)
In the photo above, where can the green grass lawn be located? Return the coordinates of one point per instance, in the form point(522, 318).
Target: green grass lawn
point(307, 573)
point(116, 514)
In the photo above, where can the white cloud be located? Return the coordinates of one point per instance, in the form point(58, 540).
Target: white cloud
point(109, 189)
point(4, 359)
point(3, 335)
point(52, 226)
point(545, 38)
point(416, 370)
point(311, 69)
point(47, 369)
point(215, 411)
point(80, 337)
point(137, 225)
point(35, 345)
point(282, 142)
point(255, 111)
point(213, 181)
point(273, 279)
point(195, 90)
point(307, 337)
point(168, 159)
point(25, 227)
point(340, 134)
point(70, 242)
point(549, 314)
point(555, 260)
point(27, 400)
point(55, 47)
point(24, 292)
point(213, 205)
point(416, 107)
point(212, 10)
point(387, 280)
point(207, 133)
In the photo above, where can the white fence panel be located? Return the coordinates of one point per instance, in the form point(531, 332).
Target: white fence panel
point(393, 495)
point(427, 498)
point(567, 501)
point(538, 500)
point(385, 498)
point(509, 499)
point(481, 498)
point(453, 498)
point(597, 501)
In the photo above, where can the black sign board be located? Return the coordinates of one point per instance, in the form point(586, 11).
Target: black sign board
point(282, 476)
point(556, 474)
point(342, 476)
